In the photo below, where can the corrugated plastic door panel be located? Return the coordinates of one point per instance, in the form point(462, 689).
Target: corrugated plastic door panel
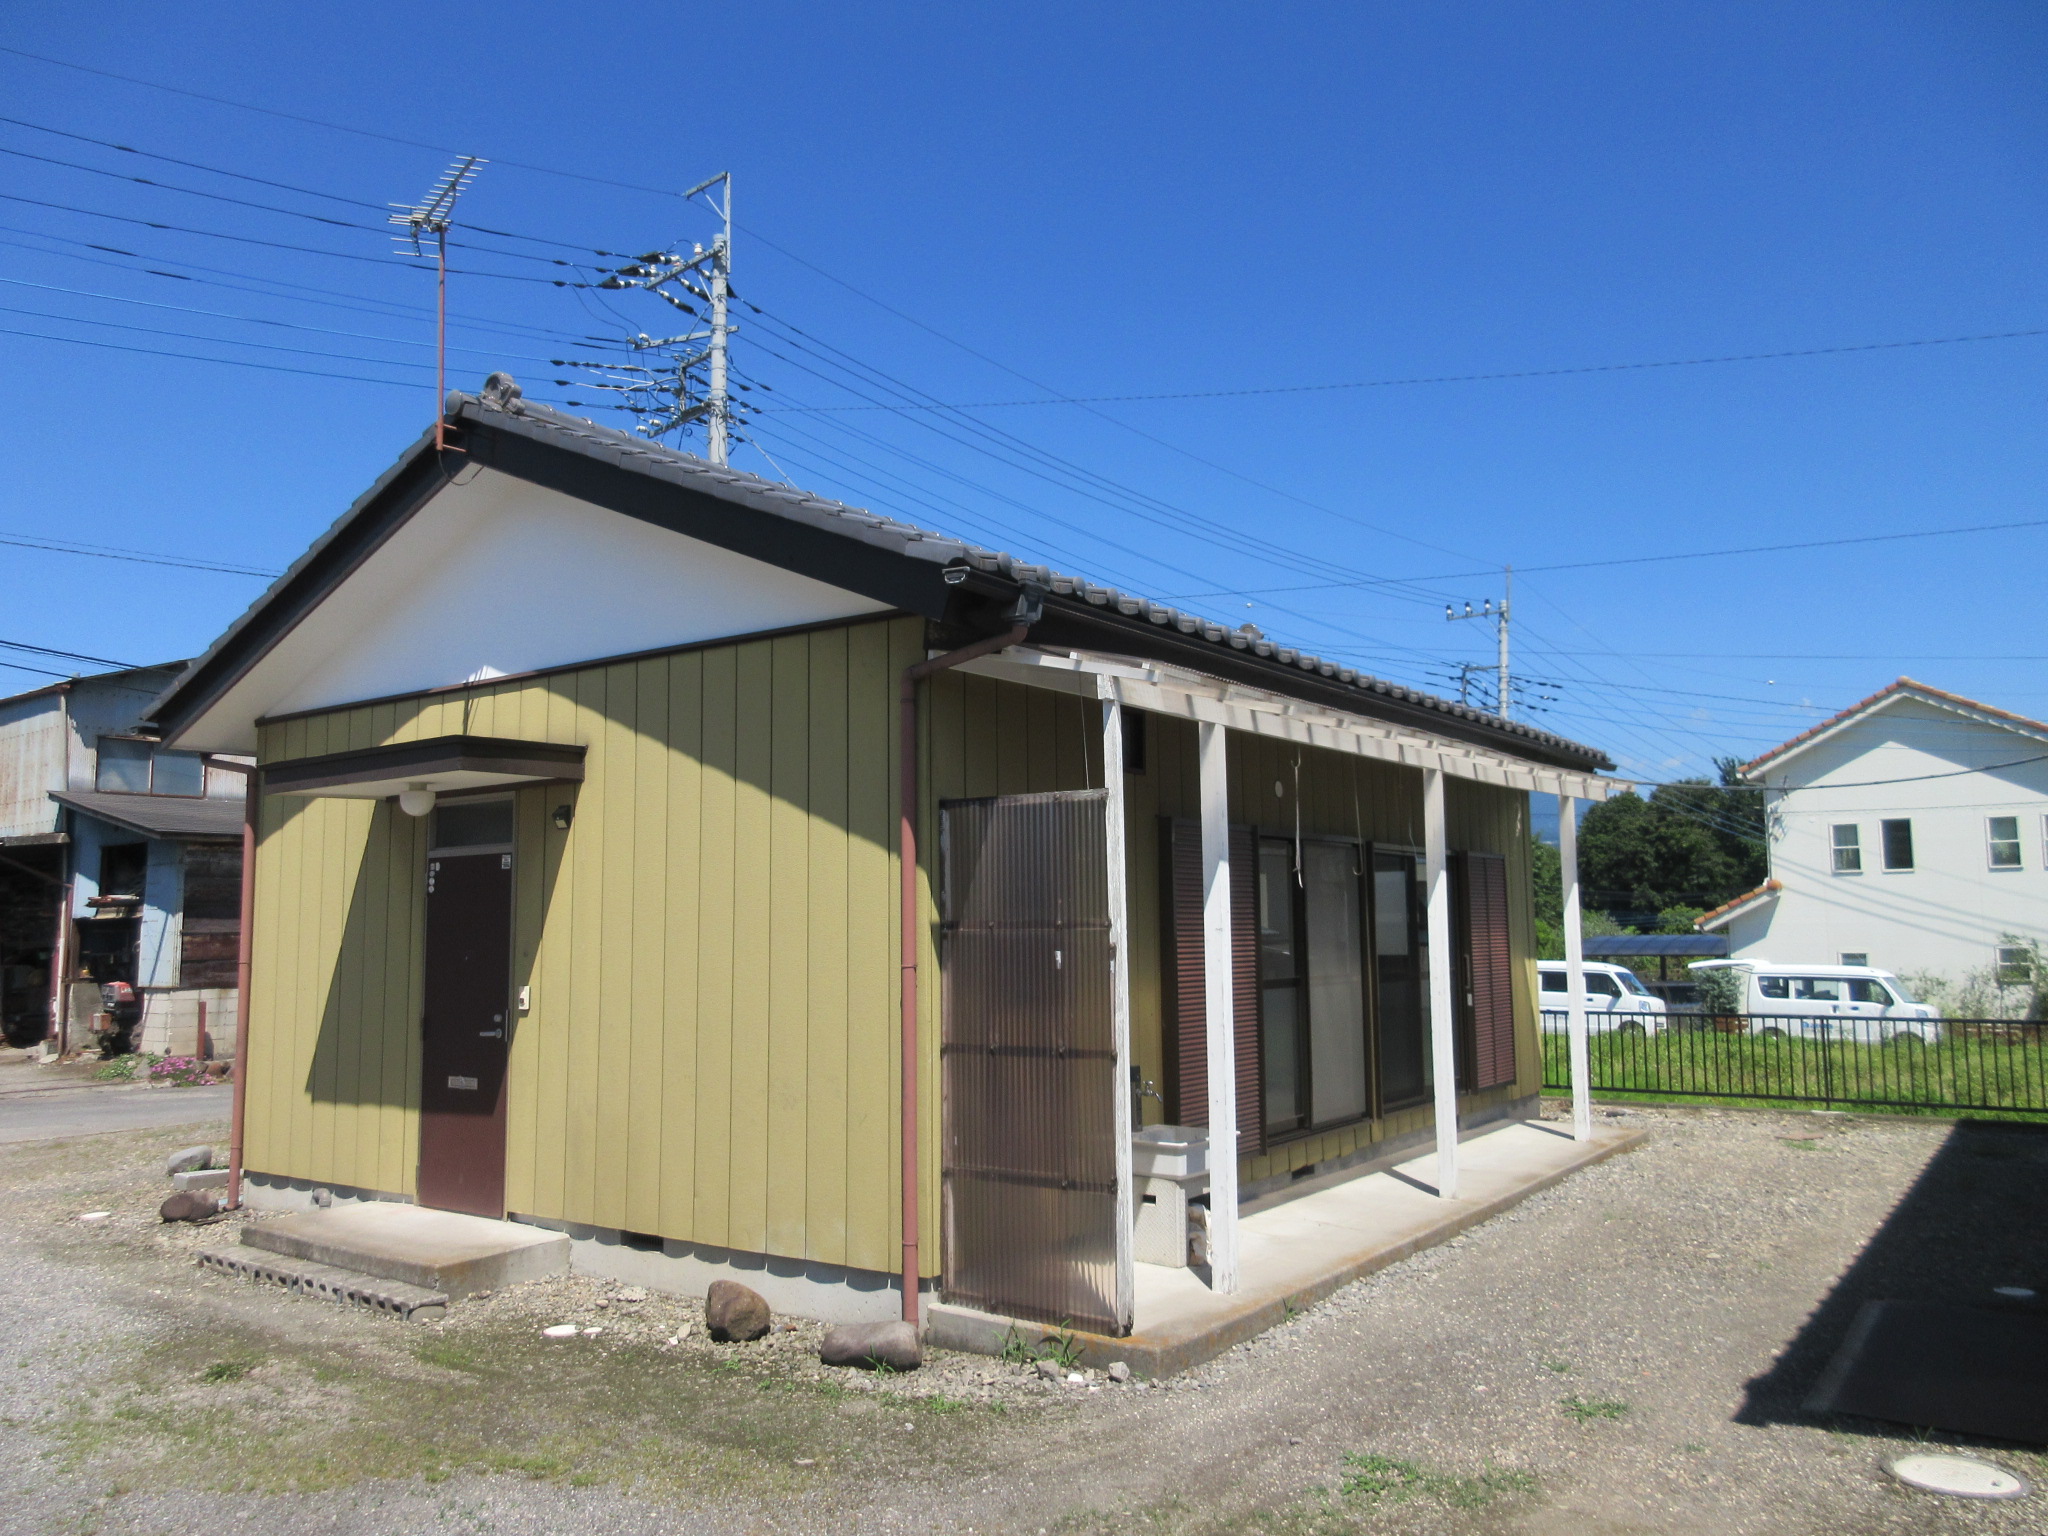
point(1027, 1041)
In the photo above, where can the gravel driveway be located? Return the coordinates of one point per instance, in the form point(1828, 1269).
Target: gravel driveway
point(1624, 1353)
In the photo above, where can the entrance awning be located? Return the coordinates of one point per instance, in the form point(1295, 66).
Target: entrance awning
point(444, 764)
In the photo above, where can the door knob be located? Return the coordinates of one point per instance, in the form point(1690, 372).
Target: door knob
point(490, 1034)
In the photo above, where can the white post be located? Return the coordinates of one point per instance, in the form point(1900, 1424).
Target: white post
point(1120, 999)
point(1574, 966)
point(1442, 1022)
point(1218, 1010)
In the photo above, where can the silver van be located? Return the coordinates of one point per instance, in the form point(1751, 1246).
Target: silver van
point(1615, 999)
point(1829, 1002)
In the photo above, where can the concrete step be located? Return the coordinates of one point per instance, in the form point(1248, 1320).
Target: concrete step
point(346, 1286)
point(440, 1251)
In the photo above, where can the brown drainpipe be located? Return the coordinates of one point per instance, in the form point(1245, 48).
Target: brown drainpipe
point(906, 899)
point(251, 801)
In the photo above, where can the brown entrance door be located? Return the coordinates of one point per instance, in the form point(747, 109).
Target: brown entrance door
point(465, 1031)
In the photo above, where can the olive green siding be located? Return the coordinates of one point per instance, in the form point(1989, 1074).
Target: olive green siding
point(711, 946)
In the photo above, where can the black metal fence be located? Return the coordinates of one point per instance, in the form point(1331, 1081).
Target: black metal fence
point(1836, 1060)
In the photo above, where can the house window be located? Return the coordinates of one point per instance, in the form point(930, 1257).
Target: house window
point(1898, 843)
point(1855, 957)
point(2005, 841)
point(2015, 965)
point(1134, 741)
point(131, 766)
point(1848, 850)
point(124, 766)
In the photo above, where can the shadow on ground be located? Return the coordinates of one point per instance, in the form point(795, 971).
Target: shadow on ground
point(1975, 1219)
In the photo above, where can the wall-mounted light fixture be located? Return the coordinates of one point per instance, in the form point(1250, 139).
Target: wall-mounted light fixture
point(563, 816)
point(416, 800)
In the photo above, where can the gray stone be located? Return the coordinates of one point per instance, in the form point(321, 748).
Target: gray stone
point(187, 1160)
point(201, 1178)
point(735, 1313)
point(323, 1198)
point(1118, 1371)
point(633, 1293)
point(190, 1205)
point(1050, 1370)
point(868, 1345)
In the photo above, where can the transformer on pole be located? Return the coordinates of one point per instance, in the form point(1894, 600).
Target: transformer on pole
point(1503, 699)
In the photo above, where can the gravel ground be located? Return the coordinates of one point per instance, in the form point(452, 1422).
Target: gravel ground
point(1624, 1353)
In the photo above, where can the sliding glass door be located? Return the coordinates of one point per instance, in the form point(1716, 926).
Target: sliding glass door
point(1312, 1003)
point(1400, 972)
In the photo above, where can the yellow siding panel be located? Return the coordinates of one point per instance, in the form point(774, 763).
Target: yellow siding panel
point(786, 1090)
point(679, 1010)
point(717, 840)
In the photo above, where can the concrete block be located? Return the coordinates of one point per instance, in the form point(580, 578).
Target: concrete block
point(201, 1178)
point(438, 1250)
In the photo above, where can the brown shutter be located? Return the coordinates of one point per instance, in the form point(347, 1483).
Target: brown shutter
point(1187, 1056)
point(1489, 969)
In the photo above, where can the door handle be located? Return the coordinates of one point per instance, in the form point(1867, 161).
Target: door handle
point(490, 1034)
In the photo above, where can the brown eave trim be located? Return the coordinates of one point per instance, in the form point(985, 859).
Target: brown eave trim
point(437, 754)
point(622, 659)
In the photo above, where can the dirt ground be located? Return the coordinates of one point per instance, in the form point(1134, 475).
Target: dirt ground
point(1625, 1353)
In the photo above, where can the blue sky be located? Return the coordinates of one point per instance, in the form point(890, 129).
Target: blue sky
point(1112, 201)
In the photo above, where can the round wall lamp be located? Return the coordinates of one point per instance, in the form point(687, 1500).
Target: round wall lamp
point(416, 800)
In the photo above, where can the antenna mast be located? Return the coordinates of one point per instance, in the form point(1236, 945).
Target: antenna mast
point(431, 216)
point(1503, 699)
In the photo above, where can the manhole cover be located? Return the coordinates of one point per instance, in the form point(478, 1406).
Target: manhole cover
point(1961, 1475)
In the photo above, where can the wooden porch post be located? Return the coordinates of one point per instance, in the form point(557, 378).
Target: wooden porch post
point(1120, 998)
point(1218, 1010)
point(1574, 966)
point(1443, 1034)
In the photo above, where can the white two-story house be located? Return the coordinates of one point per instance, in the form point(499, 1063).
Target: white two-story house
point(1908, 832)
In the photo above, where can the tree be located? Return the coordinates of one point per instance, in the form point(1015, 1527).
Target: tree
point(1695, 843)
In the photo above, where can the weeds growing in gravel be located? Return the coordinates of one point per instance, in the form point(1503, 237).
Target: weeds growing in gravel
point(1370, 1476)
point(1588, 1409)
point(227, 1370)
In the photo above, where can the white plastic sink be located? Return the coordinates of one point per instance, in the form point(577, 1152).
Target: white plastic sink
point(1169, 1151)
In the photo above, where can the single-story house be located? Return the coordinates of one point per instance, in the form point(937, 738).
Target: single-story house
point(749, 882)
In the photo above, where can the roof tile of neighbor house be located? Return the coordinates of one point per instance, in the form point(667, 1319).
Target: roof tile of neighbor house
point(159, 815)
point(1888, 691)
point(1728, 909)
point(502, 409)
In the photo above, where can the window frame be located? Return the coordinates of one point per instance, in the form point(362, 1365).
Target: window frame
point(2021, 970)
point(1884, 841)
point(1993, 842)
point(1853, 848)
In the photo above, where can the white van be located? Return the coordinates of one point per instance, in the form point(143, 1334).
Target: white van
point(1840, 1002)
point(1615, 998)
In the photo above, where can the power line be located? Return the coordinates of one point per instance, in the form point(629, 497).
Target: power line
point(139, 557)
point(1459, 378)
point(315, 122)
point(44, 650)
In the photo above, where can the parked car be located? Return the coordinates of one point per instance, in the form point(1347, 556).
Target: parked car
point(1615, 997)
point(1820, 1002)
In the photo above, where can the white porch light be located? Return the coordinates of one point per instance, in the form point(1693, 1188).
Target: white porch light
point(416, 800)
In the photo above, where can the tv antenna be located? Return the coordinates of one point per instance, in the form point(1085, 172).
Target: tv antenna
point(693, 382)
point(430, 217)
point(1503, 697)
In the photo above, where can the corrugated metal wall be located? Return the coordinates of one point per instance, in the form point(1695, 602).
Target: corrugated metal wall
point(710, 1053)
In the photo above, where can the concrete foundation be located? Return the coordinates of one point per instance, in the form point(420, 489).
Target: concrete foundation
point(438, 1251)
point(1295, 1252)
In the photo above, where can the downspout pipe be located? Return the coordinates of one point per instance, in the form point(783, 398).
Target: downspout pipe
point(1023, 614)
point(252, 799)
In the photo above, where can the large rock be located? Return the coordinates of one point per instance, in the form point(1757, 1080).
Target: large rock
point(869, 1345)
point(187, 1160)
point(190, 1205)
point(734, 1313)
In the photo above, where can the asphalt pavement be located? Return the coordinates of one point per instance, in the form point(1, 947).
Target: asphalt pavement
point(36, 1112)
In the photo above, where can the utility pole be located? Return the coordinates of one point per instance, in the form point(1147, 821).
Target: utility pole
point(695, 385)
point(1503, 698)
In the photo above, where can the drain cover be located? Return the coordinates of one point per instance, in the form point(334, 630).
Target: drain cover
point(1963, 1476)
